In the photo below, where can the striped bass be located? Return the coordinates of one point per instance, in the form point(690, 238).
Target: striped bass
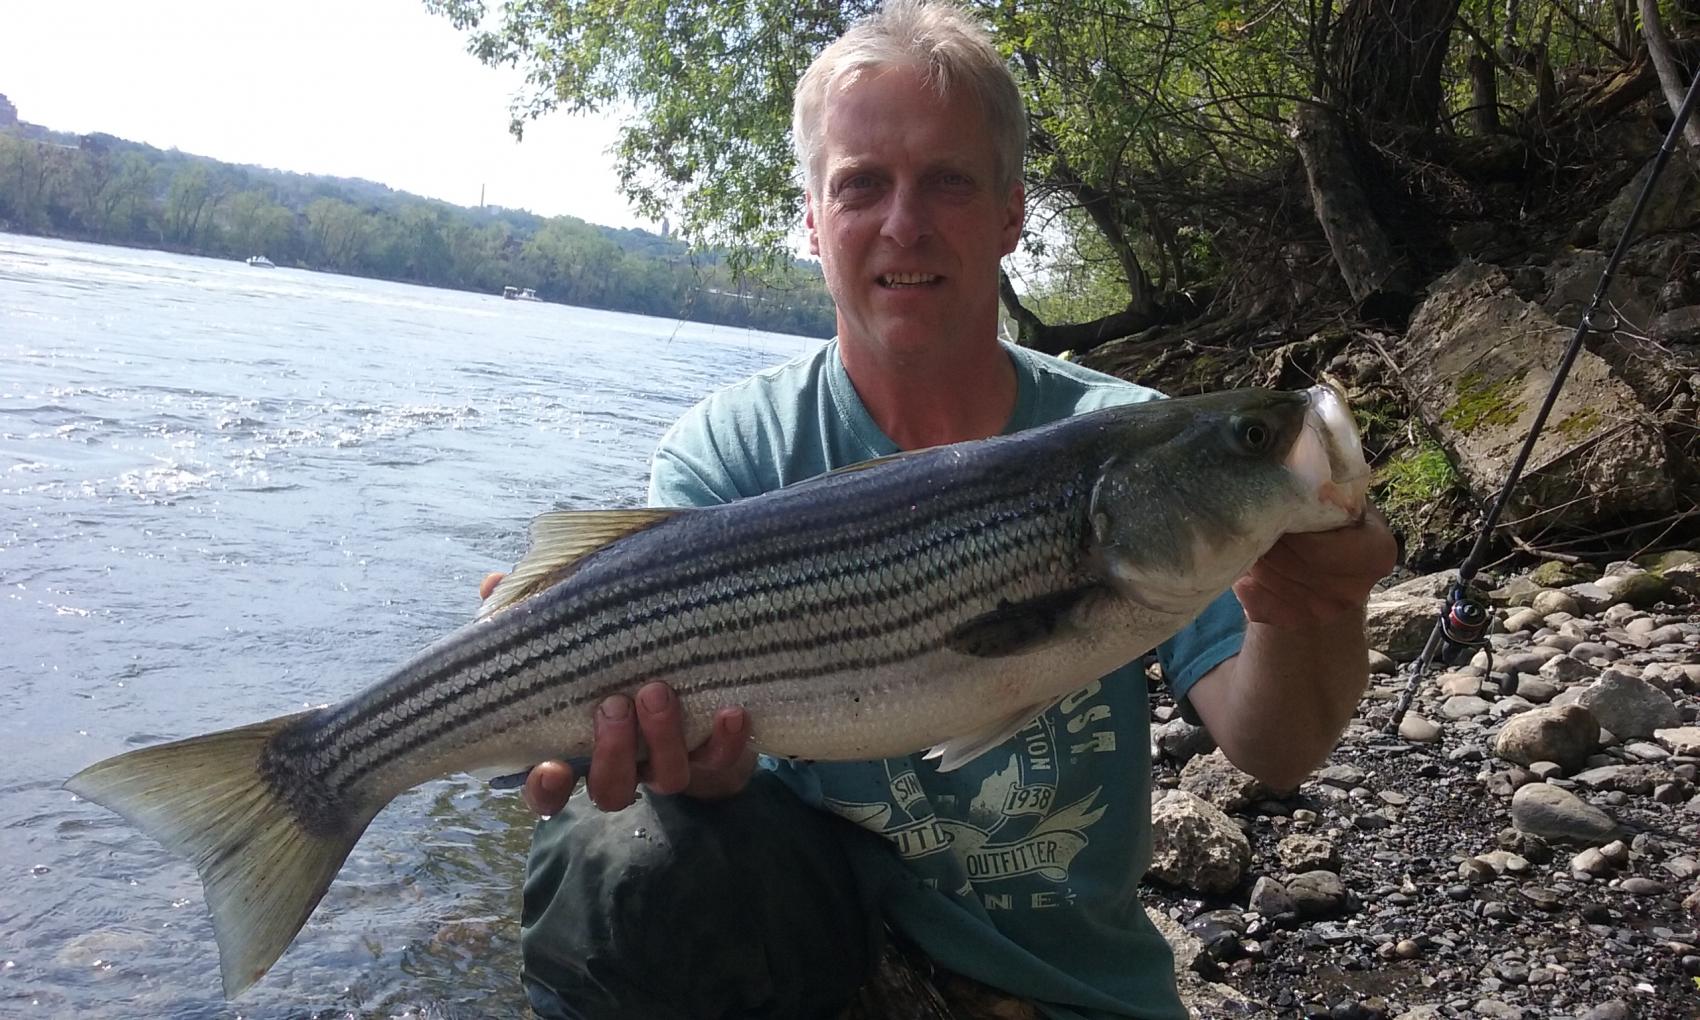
point(937, 599)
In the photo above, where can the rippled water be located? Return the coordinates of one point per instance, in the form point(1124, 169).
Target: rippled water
point(226, 493)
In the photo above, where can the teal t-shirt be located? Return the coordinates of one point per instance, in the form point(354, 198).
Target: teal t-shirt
point(1021, 868)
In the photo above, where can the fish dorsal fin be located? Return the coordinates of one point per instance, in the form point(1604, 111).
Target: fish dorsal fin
point(1016, 628)
point(959, 751)
point(559, 539)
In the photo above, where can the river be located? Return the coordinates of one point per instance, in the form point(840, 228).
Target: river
point(229, 492)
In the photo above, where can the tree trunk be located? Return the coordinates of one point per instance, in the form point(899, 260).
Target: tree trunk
point(1387, 57)
point(1035, 333)
point(1670, 72)
point(1484, 95)
point(1374, 273)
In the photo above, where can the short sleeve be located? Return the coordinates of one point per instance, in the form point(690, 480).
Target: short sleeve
point(1213, 638)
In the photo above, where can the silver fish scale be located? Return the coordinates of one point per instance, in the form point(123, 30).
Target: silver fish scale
point(842, 591)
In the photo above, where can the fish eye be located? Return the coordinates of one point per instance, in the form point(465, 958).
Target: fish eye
point(1253, 434)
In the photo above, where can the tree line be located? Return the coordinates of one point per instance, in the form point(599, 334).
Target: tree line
point(101, 188)
point(1186, 158)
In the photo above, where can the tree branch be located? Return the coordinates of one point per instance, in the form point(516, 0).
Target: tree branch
point(1034, 333)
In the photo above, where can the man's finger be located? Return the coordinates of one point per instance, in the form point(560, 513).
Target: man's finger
point(726, 743)
point(613, 761)
point(489, 585)
point(663, 727)
point(547, 787)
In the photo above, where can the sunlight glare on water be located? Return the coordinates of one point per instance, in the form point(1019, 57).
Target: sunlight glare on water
point(228, 493)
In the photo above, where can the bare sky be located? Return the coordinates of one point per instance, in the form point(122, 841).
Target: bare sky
point(378, 89)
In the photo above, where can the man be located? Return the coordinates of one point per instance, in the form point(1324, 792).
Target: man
point(728, 890)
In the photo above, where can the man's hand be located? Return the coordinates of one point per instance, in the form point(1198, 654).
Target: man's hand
point(721, 767)
point(1312, 579)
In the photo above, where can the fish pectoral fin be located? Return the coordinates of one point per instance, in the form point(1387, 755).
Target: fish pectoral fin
point(559, 540)
point(1018, 627)
point(959, 751)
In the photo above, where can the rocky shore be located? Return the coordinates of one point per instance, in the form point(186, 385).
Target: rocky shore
point(1527, 845)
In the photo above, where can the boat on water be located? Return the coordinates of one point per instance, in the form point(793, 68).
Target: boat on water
point(261, 262)
point(520, 294)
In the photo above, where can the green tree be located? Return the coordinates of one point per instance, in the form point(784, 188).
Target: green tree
point(255, 224)
point(1167, 167)
point(188, 204)
point(334, 232)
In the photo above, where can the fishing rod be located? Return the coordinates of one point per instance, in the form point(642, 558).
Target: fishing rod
point(1465, 618)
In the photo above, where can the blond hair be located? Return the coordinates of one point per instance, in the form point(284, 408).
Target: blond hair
point(946, 45)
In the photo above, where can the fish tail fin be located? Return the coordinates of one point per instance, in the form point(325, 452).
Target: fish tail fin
point(206, 799)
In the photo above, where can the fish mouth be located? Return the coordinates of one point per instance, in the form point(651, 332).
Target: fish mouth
point(1329, 455)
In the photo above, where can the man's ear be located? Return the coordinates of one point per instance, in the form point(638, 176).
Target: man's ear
point(809, 223)
point(1015, 213)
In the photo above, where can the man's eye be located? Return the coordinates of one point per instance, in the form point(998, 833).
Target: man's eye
point(856, 183)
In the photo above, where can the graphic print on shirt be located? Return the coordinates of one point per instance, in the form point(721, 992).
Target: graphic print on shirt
point(1013, 826)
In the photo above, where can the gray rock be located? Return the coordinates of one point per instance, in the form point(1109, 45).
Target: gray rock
point(1535, 689)
point(1641, 750)
point(1616, 1009)
point(1181, 740)
point(1195, 846)
point(1683, 740)
point(1643, 590)
point(1299, 853)
point(1215, 779)
point(1593, 651)
point(1418, 729)
point(1399, 624)
point(1460, 685)
point(1522, 619)
point(1638, 779)
point(1521, 662)
point(1590, 596)
point(1628, 705)
point(1271, 899)
point(1552, 601)
point(1565, 734)
point(1592, 862)
point(1464, 707)
point(1317, 894)
point(1343, 776)
point(1544, 810)
point(1381, 664)
point(1567, 669)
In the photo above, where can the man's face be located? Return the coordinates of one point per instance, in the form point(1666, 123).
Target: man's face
point(907, 216)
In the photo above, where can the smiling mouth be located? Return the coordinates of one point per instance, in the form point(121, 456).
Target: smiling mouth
point(900, 281)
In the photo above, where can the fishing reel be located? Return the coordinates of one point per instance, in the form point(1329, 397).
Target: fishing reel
point(1464, 628)
point(1466, 620)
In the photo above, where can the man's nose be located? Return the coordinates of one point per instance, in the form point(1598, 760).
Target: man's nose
point(906, 217)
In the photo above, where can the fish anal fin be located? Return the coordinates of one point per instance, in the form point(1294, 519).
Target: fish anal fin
point(959, 751)
point(207, 800)
point(559, 540)
point(1018, 627)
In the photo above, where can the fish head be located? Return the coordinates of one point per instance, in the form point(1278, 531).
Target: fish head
point(1193, 490)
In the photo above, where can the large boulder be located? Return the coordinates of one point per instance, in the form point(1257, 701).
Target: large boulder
point(1629, 706)
point(1544, 810)
point(1399, 624)
point(1195, 846)
point(1478, 360)
point(1565, 734)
